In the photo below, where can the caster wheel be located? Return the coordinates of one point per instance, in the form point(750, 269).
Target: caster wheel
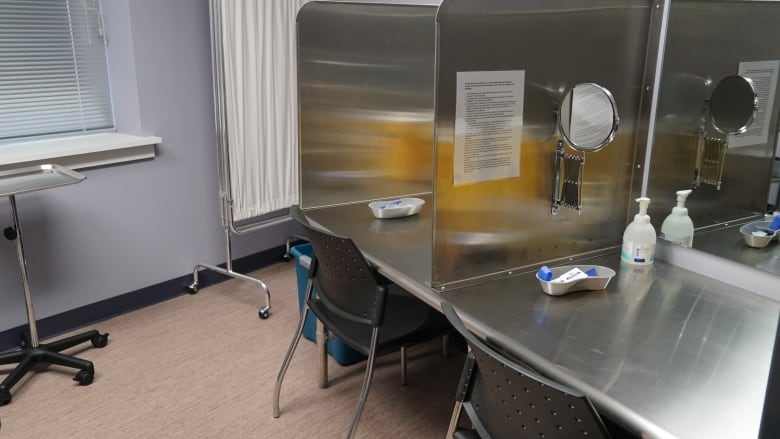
point(84, 378)
point(286, 257)
point(192, 288)
point(5, 396)
point(100, 340)
point(263, 313)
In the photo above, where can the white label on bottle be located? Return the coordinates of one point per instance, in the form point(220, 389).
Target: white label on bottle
point(636, 253)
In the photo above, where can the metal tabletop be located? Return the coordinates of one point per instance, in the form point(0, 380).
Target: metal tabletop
point(664, 351)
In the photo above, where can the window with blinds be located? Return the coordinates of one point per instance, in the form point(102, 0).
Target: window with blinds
point(53, 72)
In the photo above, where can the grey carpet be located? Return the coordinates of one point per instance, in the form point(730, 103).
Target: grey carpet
point(204, 366)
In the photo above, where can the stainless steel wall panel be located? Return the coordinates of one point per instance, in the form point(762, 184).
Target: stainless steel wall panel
point(503, 225)
point(365, 84)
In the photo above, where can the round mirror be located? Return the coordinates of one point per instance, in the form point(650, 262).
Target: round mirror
point(733, 104)
point(588, 119)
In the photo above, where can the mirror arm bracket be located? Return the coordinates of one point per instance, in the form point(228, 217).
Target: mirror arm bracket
point(567, 181)
point(558, 165)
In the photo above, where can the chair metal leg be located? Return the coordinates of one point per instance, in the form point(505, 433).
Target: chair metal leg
point(403, 366)
point(455, 419)
point(446, 345)
point(322, 354)
point(288, 358)
point(287, 245)
point(366, 384)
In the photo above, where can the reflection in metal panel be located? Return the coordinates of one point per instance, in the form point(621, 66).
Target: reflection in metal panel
point(706, 41)
point(365, 84)
point(493, 226)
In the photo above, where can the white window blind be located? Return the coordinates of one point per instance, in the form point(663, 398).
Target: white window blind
point(53, 73)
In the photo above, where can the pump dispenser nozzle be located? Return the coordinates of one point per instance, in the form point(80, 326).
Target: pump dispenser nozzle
point(643, 203)
point(682, 196)
point(642, 217)
point(678, 227)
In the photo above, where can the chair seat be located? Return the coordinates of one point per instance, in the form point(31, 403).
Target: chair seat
point(407, 321)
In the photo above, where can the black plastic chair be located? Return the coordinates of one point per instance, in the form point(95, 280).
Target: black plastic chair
point(354, 302)
point(504, 399)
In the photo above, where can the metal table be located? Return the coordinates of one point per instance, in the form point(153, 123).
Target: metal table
point(21, 181)
point(664, 351)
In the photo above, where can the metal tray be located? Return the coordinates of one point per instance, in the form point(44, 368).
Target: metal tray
point(36, 178)
point(592, 283)
point(397, 208)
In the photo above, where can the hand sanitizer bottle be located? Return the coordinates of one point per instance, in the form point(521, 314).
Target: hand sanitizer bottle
point(677, 228)
point(639, 237)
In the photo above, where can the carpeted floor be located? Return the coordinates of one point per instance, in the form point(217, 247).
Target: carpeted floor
point(204, 366)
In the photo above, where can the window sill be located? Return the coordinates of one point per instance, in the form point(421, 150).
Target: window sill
point(78, 152)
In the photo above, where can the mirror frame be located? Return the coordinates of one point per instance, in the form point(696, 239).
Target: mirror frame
point(746, 125)
point(613, 129)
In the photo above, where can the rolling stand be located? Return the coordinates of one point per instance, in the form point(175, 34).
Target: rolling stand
point(32, 353)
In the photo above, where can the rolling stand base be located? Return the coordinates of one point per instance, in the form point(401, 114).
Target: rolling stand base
point(49, 353)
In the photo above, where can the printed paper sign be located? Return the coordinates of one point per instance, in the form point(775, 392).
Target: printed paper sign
point(488, 125)
point(764, 77)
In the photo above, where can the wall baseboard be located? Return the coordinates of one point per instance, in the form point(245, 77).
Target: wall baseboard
point(124, 303)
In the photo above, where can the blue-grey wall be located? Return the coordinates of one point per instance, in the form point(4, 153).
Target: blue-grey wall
point(137, 224)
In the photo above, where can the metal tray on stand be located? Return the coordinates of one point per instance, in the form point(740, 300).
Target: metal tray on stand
point(13, 183)
point(35, 178)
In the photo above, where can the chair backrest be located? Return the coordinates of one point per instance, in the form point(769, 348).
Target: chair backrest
point(504, 399)
point(343, 279)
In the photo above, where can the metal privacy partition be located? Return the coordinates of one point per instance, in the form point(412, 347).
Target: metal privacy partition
point(237, 174)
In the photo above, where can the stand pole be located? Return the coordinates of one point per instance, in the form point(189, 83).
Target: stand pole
point(23, 269)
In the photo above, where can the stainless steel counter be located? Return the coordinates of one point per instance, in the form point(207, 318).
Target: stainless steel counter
point(665, 351)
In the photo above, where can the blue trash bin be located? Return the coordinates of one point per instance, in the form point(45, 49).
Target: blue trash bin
point(340, 352)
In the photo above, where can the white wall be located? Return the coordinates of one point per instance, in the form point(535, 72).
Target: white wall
point(134, 225)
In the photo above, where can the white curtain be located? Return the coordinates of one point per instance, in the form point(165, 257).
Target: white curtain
point(261, 103)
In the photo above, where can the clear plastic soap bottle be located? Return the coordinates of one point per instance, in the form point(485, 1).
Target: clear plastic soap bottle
point(677, 228)
point(639, 237)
